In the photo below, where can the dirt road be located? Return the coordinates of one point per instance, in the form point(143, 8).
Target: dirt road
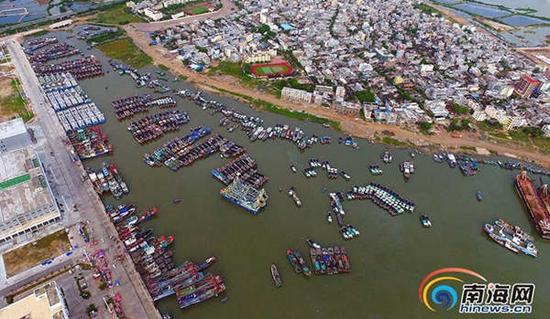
point(353, 126)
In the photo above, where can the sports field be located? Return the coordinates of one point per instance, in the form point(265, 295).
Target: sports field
point(272, 69)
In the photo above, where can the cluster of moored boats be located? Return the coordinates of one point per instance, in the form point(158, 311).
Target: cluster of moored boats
point(154, 261)
point(108, 180)
point(511, 237)
point(89, 142)
point(407, 168)
point(126, 107)
point(243, 166)
point(154, 126)
point(175, 146)
point(332, 172)
point(253, 126)
point(324, 260)
point(81, 68)
point(52, 52)
point(34, 45)
point(347, 231)
point(292, 193)
point(74, 109)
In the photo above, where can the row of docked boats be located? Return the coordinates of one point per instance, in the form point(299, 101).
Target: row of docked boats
point(375, 170)
point(52, 52)
point(73, 107)
point(189, 282)
point(175, 146)
point(243, 166)
point(128, 106)
point(33, 45)
point(154, 126)
point(292, 193)
point(253, 126)
point(81, 68)
point(298, 262)
point(57, 81)
point(108, 180)
point(331, 171)
point(329, 260)
point(89, 142)
point(383, 197)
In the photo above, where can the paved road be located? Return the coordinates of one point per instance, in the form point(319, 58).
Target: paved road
point(136, 300)
point(227, 8)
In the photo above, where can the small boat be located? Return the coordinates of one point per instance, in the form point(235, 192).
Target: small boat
point(425, 221)
point(345, 175)
point(479, 196)
point(293, 168)
point(329, 218)
point(276, 276)
point(387, 157)
point(177, 201)
point(313, 244)
point(293, 261)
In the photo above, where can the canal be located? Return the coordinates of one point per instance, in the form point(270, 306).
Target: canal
point(389, 259)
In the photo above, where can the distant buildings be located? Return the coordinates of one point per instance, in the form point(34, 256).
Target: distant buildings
point(26, 200)
point(45, 302)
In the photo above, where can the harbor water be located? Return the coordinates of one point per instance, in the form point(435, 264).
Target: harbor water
point(390, 257)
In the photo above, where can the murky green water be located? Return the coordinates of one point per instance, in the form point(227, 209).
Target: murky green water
point(389, 259)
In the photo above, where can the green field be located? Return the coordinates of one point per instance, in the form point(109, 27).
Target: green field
point(14, 181)
point(199, 10)
point(118, 14)
point(266, 70)
point(14, 103)
point(126, 51)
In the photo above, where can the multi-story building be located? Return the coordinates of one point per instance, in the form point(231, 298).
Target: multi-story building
point(296, 95)
point(26, 199)
point(526, 86)
point(46, 302)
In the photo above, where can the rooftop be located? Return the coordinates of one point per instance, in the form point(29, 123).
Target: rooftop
point(42, 303)
point(25, 197)
point(12, 128)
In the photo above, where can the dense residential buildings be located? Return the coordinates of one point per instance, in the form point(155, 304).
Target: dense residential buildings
point(392, 49)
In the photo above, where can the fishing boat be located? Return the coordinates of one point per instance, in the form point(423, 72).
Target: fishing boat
point(407, 168)
point(293, 168)
point(313, 244)
point(387, 157)
point(293, 261)
point(345, 175)
point(479, 196)
point(276, 276)
point(425, 221)
point(512, 237)
point(329, 218)
point(177, 201)
point(375, 170)
point(302, 263)
point(292, 193)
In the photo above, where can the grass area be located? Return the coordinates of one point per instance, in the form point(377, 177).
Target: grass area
point(278, 85)
point(163, 67)
point(237, 70)
point(182, 77)
point(126, 51)
point(14, 181)
point(199, 10)
point(301, 116)
point(427, 9)
point(118, 14)
point(394, 142)
point(365, 95)
point(33, 254)
point(105, 37)
point(15, 104)
point(40, 33)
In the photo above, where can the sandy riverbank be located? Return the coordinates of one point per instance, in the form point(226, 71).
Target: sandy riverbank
point(354, 126)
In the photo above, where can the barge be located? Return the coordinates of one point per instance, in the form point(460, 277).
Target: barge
point(536, 201)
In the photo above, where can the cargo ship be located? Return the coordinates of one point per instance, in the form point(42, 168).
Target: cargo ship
point(245, 196)
point(511, 237)
point(537, 202)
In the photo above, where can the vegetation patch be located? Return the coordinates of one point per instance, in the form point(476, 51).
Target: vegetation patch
point(118, 15)
point(126, 51)
point(395, 142)
point(14, 104)
point(32, 254)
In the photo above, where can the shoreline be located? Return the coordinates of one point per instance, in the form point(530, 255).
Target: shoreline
point(353, 126)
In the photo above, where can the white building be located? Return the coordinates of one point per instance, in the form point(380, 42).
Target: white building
point(438, 109)
point(296, 95)
point(153, 14)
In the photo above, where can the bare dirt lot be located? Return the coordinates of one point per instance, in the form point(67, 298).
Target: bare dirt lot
point(32, 254)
